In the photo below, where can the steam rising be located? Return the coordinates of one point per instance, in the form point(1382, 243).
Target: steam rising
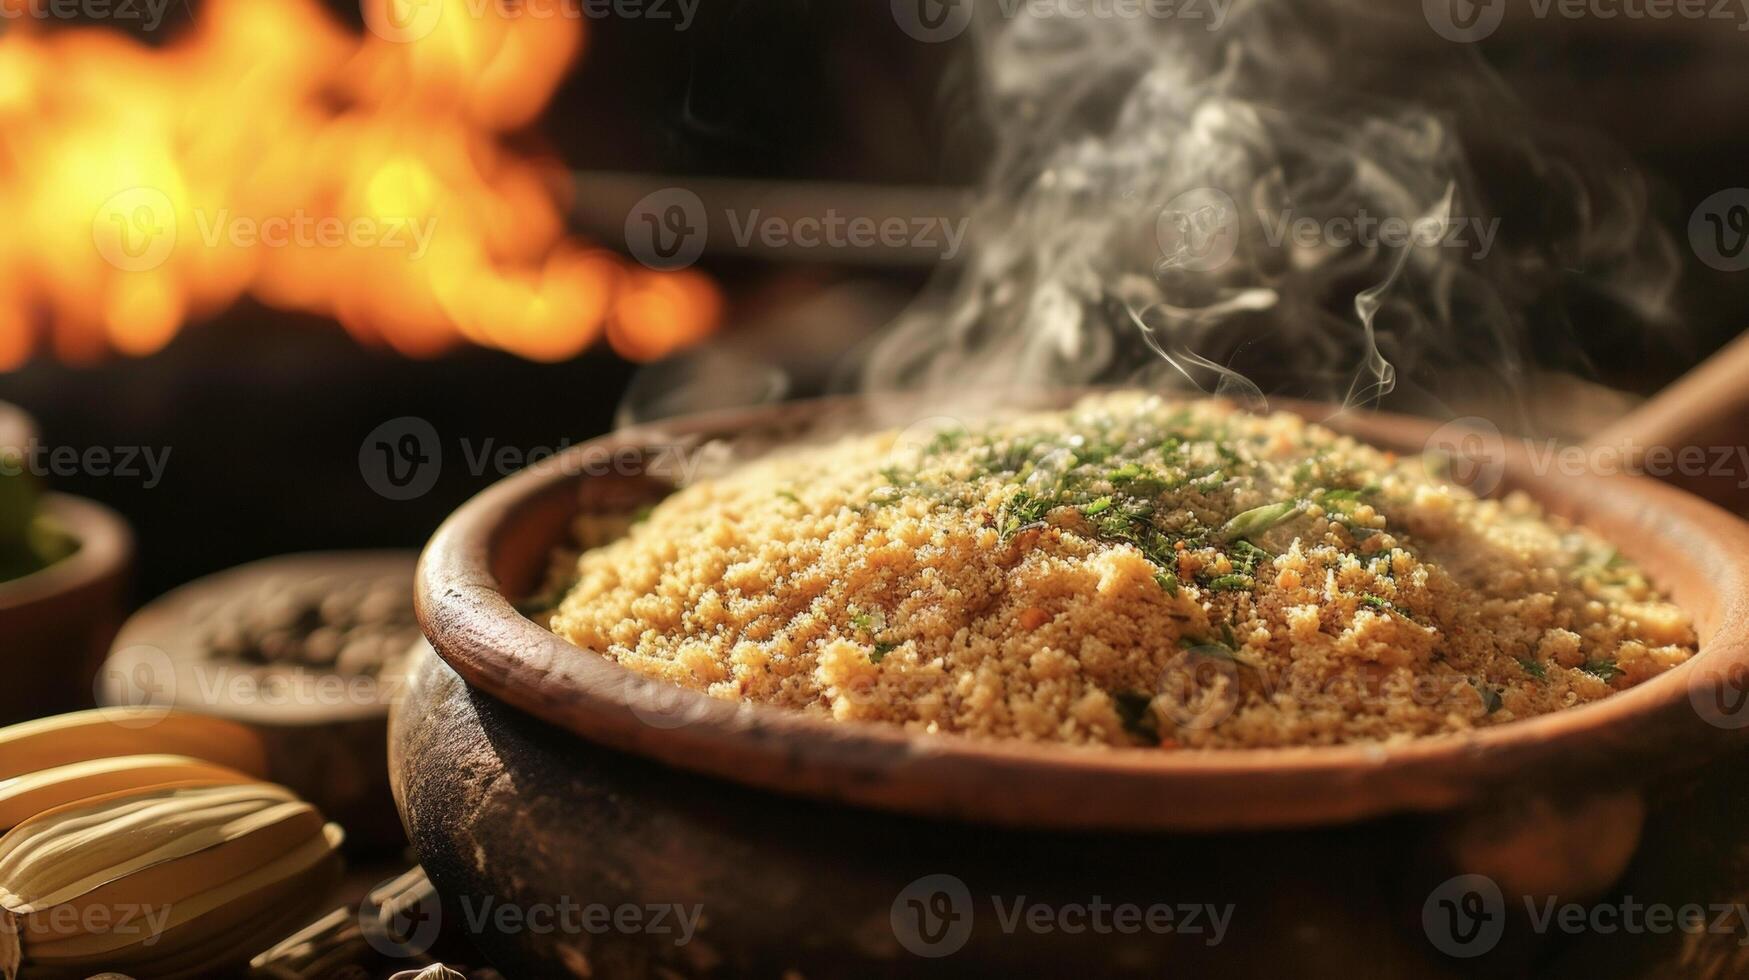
point(1131, 154)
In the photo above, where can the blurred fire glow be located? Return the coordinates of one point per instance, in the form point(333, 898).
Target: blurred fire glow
point(272, 152)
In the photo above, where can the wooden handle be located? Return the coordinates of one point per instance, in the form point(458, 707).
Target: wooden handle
point(1694, 434)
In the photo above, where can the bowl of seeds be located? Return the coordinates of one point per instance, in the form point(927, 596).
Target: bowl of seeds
point(307, 648)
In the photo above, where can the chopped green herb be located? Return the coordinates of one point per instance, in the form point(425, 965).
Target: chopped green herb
point(1022, 510)
point(1344, 495)
point(868, 620)
point(881, 650)
point(1168, 582)
point(1097, 507)
point(1232, 583)
point(1214, 651)
point(1225, 648)
point(789, 496)
point(1135, 710)
point(1248, 556)
point(1532, 667)
point(1099, 452)
point(1604, 562)
point(1260, 519)
point(1604, 670)
point(1490, 698)
point(946, 440)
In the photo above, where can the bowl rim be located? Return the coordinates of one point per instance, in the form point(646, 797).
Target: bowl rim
point(106, 545)
point(1693, 548)
point(160, 635)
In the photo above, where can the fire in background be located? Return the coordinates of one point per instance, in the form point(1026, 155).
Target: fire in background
point(272, 152)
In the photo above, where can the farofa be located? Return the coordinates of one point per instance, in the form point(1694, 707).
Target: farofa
point(1134, 571)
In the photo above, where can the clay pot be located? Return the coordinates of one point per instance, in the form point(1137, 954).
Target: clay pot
point(57, 623)
point(553, 776)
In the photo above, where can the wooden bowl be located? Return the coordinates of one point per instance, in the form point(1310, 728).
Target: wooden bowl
point(608, 785)
point(325, 733)
point(58, 622)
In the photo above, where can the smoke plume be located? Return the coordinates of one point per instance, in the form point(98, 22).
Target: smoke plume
point(1310, 199)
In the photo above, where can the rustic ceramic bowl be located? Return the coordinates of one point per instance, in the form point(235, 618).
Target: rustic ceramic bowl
point(57, 623)
point(553, 773)
point(324, 731)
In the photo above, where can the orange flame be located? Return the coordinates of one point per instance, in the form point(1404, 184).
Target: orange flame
point(270, 152)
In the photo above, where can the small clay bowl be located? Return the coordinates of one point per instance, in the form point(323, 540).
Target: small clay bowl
point(553, 773)
point(57, 622)
point(325, 731)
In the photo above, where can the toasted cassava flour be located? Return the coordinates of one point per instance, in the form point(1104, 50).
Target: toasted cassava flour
point(1131, 572)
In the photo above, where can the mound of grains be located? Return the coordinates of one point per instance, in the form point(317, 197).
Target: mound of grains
point(1130, 572)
